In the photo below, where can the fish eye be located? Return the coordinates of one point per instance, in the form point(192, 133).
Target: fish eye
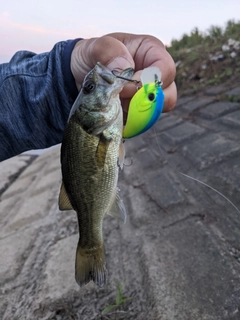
point(89, 86)
point(151, 96)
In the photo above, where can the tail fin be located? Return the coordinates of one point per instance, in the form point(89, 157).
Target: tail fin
point(90, 267)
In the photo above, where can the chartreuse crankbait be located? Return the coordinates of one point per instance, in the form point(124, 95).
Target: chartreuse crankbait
point(146, 105)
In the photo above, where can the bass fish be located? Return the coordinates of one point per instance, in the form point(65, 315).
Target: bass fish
point(91, 154)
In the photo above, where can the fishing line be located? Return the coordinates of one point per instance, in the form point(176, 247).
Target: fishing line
point(114, 71)
point(192, 178)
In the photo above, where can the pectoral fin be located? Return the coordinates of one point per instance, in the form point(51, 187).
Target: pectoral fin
point(102, 150)
point(117, 209)
point(63, 200)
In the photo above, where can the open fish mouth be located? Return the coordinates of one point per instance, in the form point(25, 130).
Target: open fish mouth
point(109, 76)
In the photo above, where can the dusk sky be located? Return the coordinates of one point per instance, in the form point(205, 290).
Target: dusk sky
point(38, 25)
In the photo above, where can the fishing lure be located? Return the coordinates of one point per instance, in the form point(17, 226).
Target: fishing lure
point(146, 105)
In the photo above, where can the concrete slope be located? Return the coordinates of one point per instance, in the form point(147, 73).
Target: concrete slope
point(177, 257)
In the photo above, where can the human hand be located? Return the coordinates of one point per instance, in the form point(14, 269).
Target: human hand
point(123, 50)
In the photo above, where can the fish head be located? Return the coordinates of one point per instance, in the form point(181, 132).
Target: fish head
point(101, 85)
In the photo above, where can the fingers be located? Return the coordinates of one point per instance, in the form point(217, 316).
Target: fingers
point(170, 97)
point(123, 50)
point(158, 56)
point(111, 53)
point(148, 51)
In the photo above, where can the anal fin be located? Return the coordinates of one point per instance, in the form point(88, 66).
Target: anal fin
point(117, 208)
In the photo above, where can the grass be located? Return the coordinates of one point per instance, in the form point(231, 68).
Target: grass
point(120, 299)
point(196, 56)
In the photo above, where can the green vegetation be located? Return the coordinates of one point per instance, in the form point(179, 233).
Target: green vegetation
point(209, 58)
point(120, 299)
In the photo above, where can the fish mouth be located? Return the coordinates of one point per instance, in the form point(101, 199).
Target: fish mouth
point(108, 76)
point(127, 73)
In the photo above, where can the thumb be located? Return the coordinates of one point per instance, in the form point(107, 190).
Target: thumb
point(119, 63)
point(112, 53)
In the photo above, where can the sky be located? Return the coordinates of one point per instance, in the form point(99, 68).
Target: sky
point(37, 25)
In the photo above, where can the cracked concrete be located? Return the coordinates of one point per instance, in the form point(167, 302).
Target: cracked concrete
point(177, 257)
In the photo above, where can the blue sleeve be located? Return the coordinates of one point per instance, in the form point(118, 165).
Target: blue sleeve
point(36, 95)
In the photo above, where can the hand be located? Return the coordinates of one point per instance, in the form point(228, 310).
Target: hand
point(123, 50)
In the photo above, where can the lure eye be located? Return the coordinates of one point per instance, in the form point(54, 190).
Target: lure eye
point(151, 96)
point(89, 86)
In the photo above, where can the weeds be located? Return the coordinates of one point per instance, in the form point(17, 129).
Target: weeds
point(207, 59)
point(120, 299)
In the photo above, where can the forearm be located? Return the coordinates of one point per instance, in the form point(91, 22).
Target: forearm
point(36, 94)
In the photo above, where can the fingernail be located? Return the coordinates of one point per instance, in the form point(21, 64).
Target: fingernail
point(120, 63)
